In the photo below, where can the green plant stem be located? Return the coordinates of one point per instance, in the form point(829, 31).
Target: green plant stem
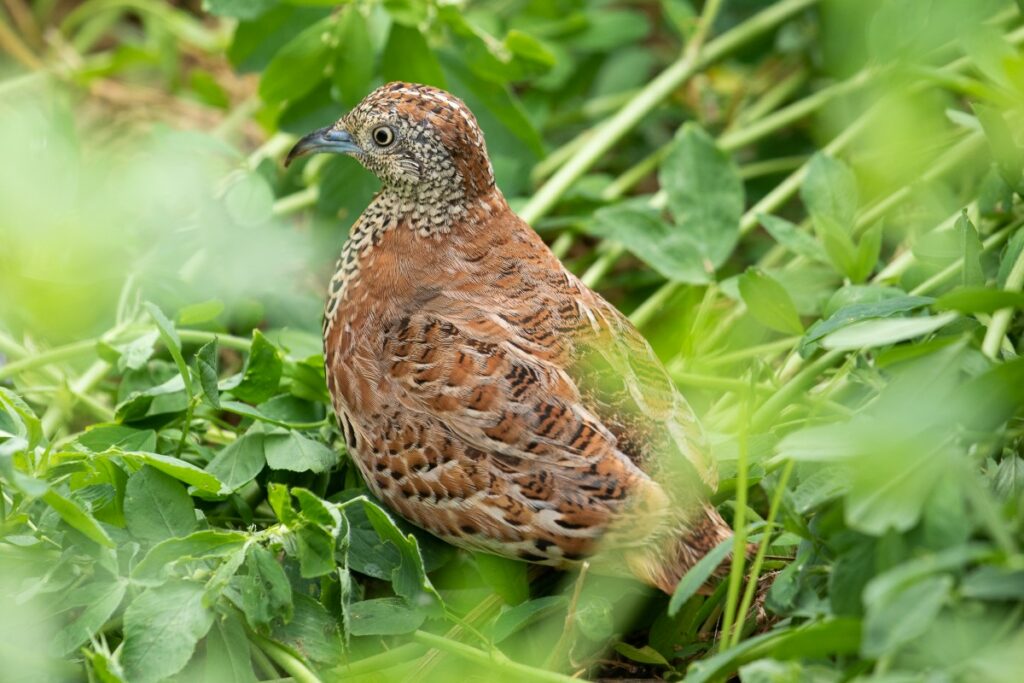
point(941, 277)
point(285, 659)
point(385, 660)
point(739, 525)
point(762, 550)
point(297, 201)
point(657, 90)
point(78, 388)
point(494, 660)
point(52, 356)
point(761, 350)
point(1001, 318)
point(798, 384)
point(12, 45)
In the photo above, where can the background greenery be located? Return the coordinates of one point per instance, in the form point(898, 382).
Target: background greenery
point(811, 207)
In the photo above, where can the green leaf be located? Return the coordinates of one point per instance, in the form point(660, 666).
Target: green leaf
point(299, 66)
point(202, 312)
point(407, 57)
point(522, 615)
point(829, 191)
point(266, 594)
point(663, 247)
point(972, 274)
point(75, 516)
point(384, 617)
point(240, 461)
point(979, 300)
point(98, 602)
point(315, 546)
point(157, 507)
point(206, 368)
point(293, 452)
point(173, 343)
point(644, 655)
point(249, 200)
point(197, 545)
point(793, 238)
point(228, 657)
point(705, 195)
point(769, 302)
point(903, 616)
point(409, 579)
point(854, 312)
point(239, 9)
point(263, 370)
point(352, 71)
point(698, 575)
point(407, 12)
point(993, 583)
point(506, 577)
point(161, 629)
point(312, 631)
point(177, 468)
point(874, 333)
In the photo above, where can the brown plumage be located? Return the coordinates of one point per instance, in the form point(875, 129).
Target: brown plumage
point(485, 393)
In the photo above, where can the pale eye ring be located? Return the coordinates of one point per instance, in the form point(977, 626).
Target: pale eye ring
point(383, 136)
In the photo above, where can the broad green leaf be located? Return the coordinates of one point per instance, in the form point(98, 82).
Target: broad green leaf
point(890, 487)
point(315, 546)
point(979, 300)
point(296, 453)
point(177, 468)
point(199, 544)
point(829, 191)
point(522, 615)
point(769, 302)
point(298, 66)
point(705, 195)
point(157, 507)
point(406, 12)
point(239, 462)
point(812, 640)
point(352, 71)
point(854, 312)
point(263, 371)
point(75, 516)
point(881, 332)
point(698, 575)
point(97, 601)
point(206, 368)
point(793, 238)
point(903, 616)
point(100, 438)
point(989, 582)
point(137, 352)
point(312, 631)
point(407, 57)
point(384, 617)
point(266, 594)
point(972, 274)
point(161, 629)
point(663, 247)
point(256, 42)
point(409, 579)
point(202, 312)
point(1008, 155)
point(249, 200)
point(281, 503)
point(595, 617)
point(506, 577)
point(228, 657)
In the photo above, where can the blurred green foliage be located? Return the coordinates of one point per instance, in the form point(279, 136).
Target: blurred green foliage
point(812, 208)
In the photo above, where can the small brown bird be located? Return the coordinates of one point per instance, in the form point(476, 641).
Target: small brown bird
point(485, 393)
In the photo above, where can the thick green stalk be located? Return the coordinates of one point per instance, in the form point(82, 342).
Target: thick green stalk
point(56, 355)
point(654, 93)
point(762, 550)
point(284, 658)
point(494, 660)
point(739, 525)
point(1001, 318)
point(771, 408)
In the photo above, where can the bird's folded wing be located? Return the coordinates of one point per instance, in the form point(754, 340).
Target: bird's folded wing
point(560, 381)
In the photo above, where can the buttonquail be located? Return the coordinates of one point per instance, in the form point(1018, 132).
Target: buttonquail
point(485, 393)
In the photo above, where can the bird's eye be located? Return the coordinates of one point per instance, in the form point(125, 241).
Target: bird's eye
point(383, 136)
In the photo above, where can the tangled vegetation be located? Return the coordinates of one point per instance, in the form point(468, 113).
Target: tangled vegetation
point(811, 207)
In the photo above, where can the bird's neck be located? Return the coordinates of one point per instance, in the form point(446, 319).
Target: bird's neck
point(433, 210)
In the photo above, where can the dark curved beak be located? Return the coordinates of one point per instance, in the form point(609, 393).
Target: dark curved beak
point(328, 139)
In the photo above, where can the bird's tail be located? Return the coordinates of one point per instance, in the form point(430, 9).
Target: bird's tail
point(664, 566)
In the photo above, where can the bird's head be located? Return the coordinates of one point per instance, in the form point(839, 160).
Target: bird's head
point(420, 141)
